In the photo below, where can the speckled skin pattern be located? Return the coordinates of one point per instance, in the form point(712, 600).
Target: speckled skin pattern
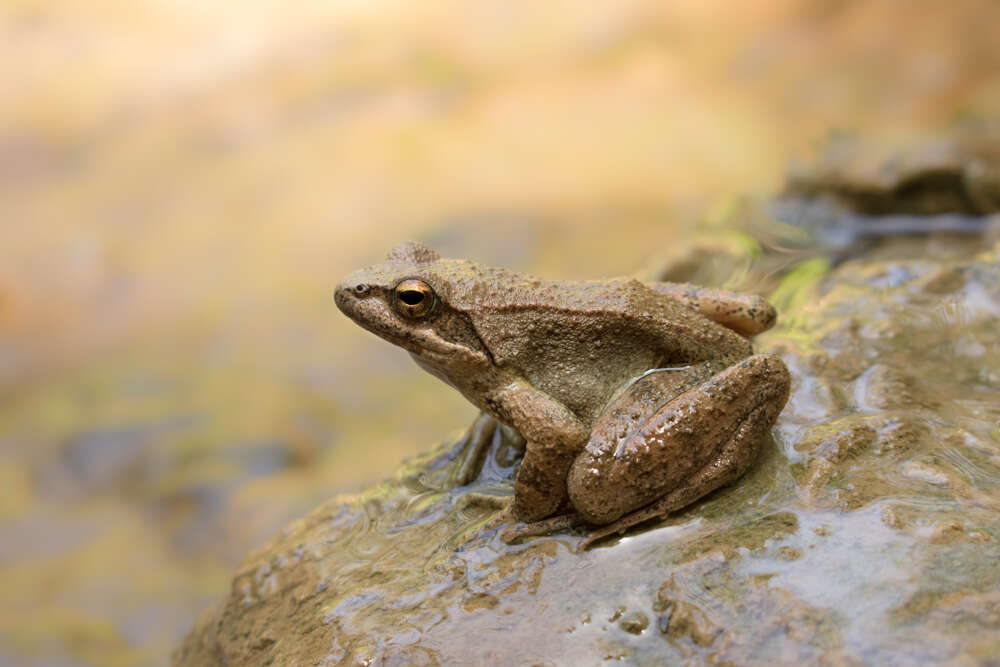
point(632, 400)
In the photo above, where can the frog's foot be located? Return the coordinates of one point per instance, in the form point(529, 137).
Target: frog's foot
point(619, 527)
point(483, 530)
point(495, 501)
point(703, 439)
point(543, 527)
point(475, 442)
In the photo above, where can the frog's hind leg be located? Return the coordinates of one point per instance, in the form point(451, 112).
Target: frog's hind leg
point(703, 439)
point(732, 462)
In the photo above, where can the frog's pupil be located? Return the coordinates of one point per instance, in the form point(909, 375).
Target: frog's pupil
point(411, 297)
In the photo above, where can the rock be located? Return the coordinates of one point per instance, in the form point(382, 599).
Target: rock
point(867, 533)
point(634, 623)
point(958, 173)
point(866, 189)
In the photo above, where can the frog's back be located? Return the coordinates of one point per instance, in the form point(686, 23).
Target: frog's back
point(473, 287)
point(581, 340)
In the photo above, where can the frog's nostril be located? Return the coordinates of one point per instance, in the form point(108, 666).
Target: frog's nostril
point(347, 292)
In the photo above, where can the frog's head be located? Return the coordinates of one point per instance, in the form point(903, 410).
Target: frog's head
point(405, 300)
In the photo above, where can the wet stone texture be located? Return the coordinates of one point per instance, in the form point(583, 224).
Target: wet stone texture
point(866, 188)
point(954, 173)
point(867, 533)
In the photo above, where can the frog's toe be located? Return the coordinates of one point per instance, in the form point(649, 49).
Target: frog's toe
point(544, 527)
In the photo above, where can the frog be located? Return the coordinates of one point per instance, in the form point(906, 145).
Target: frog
point(634, 399)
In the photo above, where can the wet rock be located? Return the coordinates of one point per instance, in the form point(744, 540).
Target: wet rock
point(634, 623)
point(954, 173)
point(867, 533)
point(862, 190)
point(681, 620)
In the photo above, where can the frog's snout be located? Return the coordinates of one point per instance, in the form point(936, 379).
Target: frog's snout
point(348, 293)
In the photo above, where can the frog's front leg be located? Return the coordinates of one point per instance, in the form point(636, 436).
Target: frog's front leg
point(472, 448)
point(474, 444)
point(639, 466)
point(554, 437)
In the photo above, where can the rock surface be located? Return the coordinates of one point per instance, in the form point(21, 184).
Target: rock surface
point(867, 532)
point(954, 173)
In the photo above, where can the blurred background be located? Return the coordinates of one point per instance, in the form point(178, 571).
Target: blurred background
point(182, 184)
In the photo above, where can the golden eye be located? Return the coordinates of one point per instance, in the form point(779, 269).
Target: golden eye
point(414, 298)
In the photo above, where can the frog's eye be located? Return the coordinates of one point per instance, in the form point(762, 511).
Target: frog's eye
point(414, 298)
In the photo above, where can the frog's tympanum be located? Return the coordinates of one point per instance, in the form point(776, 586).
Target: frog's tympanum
point(634, 399)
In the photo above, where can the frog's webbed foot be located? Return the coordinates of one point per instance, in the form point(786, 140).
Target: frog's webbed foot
point(618, 527)
point(493, 501)
point(543, 527)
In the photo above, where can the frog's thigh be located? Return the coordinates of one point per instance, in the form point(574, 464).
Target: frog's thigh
point(735, 458)
point(700, 440)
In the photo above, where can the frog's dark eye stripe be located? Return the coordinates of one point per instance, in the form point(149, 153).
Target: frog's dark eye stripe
point(414, 298)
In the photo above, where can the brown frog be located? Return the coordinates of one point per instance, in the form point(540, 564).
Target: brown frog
point(635, 399)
